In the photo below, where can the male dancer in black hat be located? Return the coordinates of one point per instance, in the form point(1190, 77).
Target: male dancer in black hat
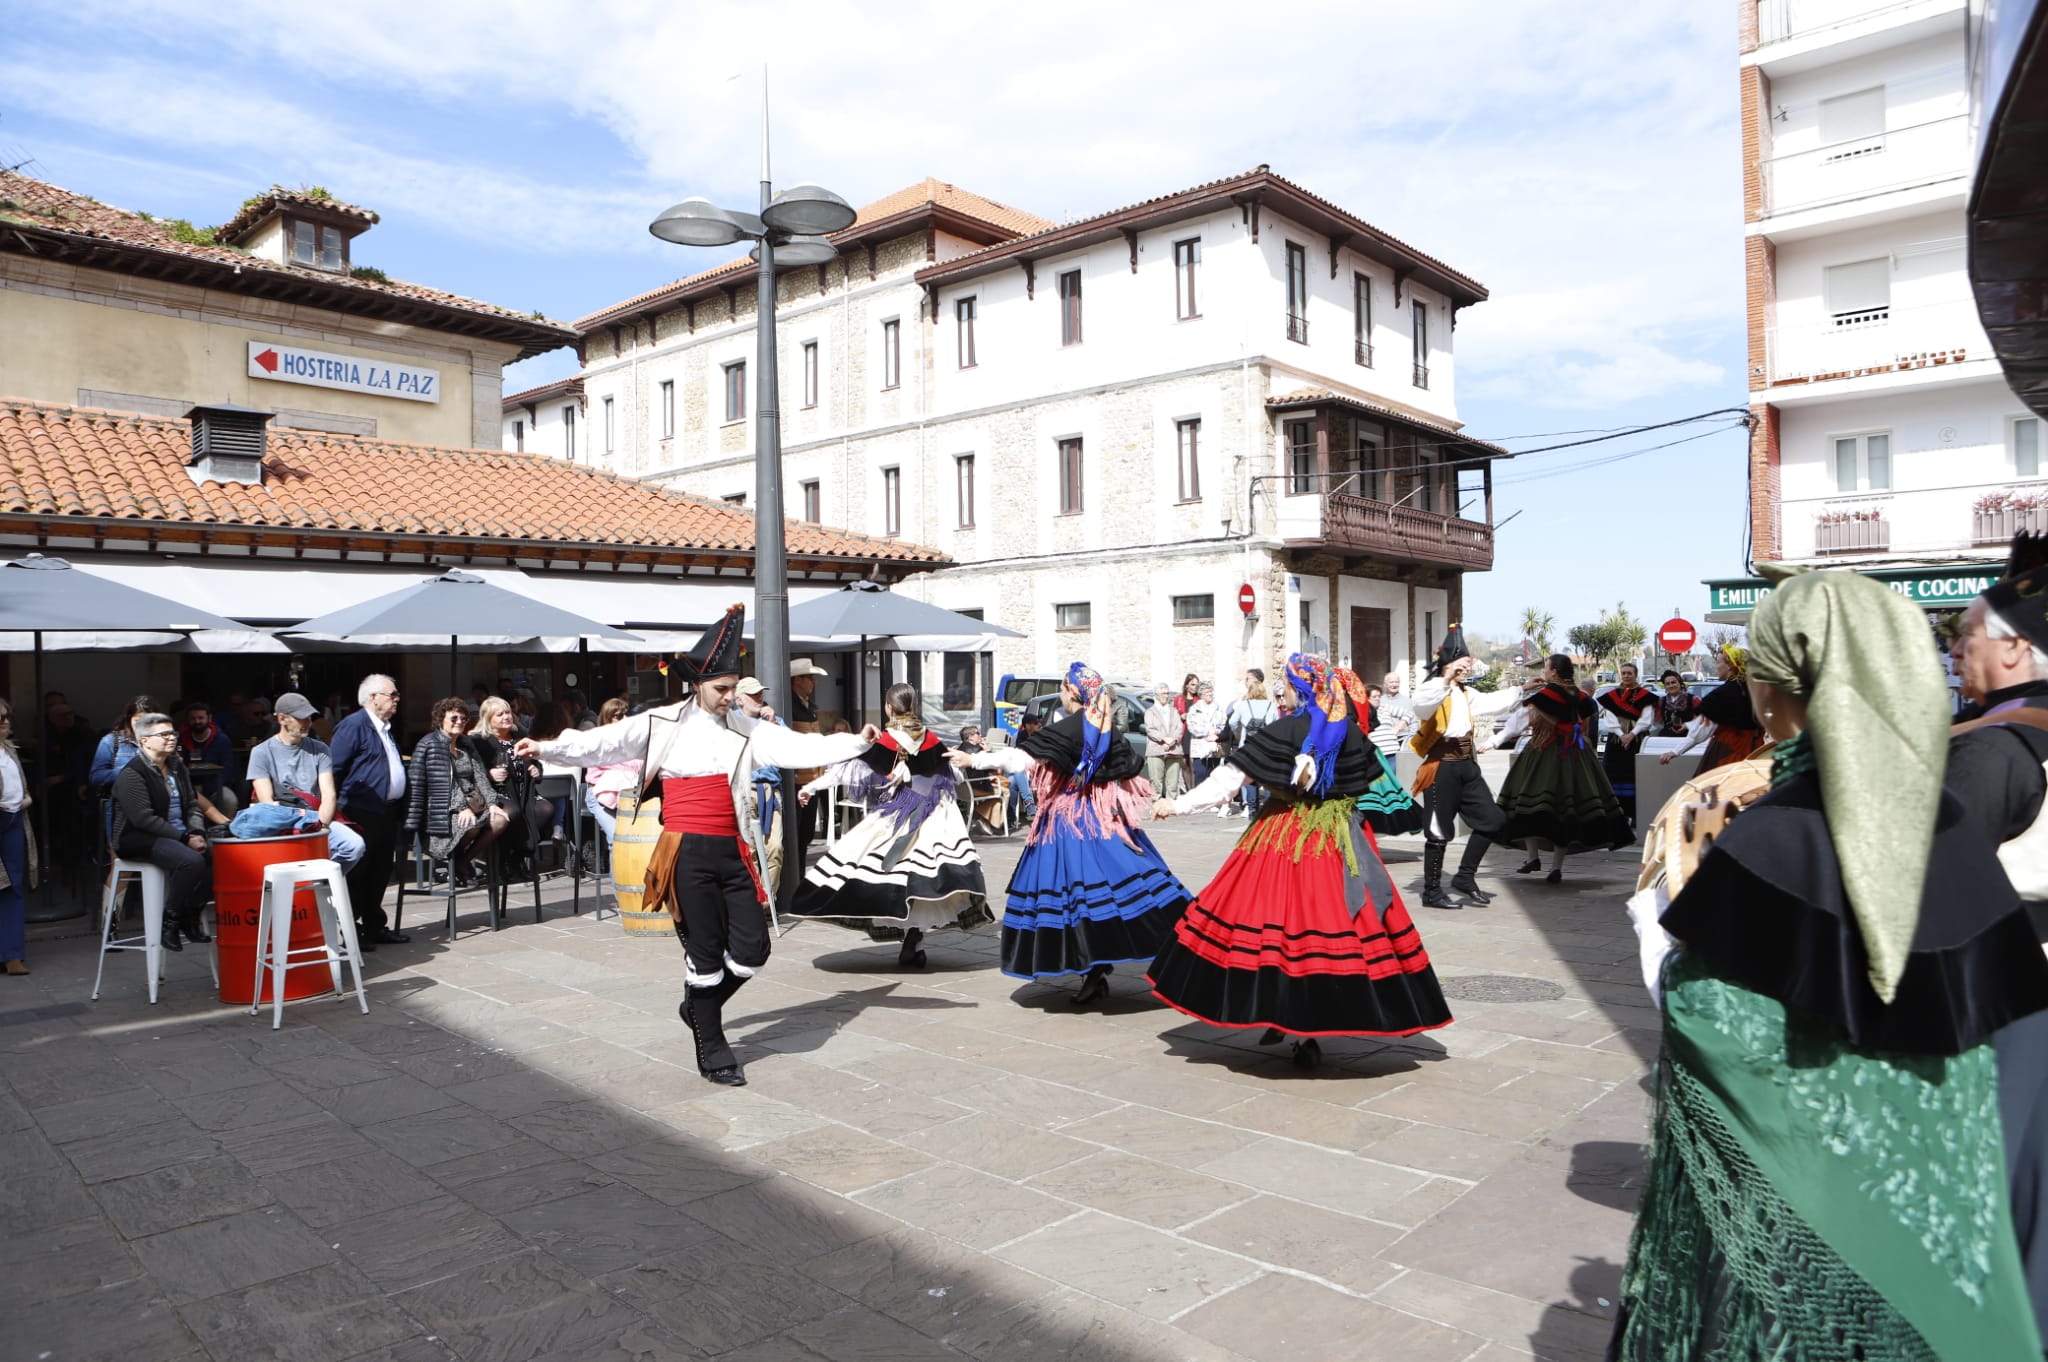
point(698, 757)
point(1457, 726)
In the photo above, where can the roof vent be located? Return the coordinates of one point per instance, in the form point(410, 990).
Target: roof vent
point(227, 444)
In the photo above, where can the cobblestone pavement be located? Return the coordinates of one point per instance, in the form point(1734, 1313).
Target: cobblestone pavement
point(511, 1157)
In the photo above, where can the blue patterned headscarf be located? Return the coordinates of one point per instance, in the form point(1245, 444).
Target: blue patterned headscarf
point(1328, 716)
point(1096, 735)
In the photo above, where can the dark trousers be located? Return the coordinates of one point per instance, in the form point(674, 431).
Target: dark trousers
point(14, 898)
point(371, 875)
point(190, 877)
point(2022, 1051)
point(1460, 792)
point(724, 924)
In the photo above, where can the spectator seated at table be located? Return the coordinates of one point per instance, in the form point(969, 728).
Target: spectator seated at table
point(453, 799)
point(602, 785)
point(518, 782)
point(988, 788)
point(249, 724)
point(160, 818)
point(209, 754)
point(293, 768)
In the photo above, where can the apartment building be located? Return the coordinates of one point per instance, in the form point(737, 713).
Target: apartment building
point(1885, 435)
point(1189, 435)
point(549, 419)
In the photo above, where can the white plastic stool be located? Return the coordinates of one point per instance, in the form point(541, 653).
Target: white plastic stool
point(281, 884)
point(151, 942)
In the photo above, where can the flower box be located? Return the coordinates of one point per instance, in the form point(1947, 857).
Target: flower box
point(1999, 524)
point(1852, 536)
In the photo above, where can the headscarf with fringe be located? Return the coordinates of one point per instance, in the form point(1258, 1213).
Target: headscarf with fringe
point(1096, 708)
point(1877, 716)
point(1329, 715)
point(1738, 657)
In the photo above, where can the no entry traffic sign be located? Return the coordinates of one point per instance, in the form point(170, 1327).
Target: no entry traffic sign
point(1677, 636)
point(1247, 599)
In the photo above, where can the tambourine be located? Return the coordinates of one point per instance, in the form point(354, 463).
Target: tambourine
point(1686, 828)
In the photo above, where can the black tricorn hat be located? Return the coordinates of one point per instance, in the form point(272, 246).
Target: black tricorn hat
point(2022, 602)
point(718, 650)
point(1449, 651)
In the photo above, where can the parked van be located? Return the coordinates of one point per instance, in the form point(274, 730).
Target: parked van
point(1040, 695)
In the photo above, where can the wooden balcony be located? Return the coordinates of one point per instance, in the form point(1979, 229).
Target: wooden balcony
point(1402, 534)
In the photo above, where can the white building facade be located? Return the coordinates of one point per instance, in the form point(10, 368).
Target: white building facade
point(1885, 435)
point(1114, 427)
point(551, 420)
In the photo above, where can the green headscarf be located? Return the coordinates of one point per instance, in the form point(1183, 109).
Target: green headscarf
point(1877, 716)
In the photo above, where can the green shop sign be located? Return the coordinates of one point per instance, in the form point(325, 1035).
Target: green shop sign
point(1947, 590)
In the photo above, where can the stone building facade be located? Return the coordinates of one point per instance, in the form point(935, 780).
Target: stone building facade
point(1113, 427)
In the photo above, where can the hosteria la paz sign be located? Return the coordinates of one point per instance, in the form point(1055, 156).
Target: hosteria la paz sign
point(319, 369)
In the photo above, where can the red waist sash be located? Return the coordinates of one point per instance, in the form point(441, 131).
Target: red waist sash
point(699, 804)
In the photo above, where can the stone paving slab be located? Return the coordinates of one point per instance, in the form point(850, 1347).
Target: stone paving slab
point(511, 1157)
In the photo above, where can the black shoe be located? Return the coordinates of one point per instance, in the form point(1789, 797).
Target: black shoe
point(730, 1076)
point(1433, 895)
point(1530, 866)
point(1462, 883)
point(383, 936)
point(910, 957)
point(1094, 988)
point(1554, 877)
point(1274, 1035)
point(171, 940)
point(1307, 1054)
point(194, 930)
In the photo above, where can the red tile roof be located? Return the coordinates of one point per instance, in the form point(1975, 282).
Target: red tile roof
point(256, 209)
point(147, 245)
point(931, 195)
point(561, 387)
point(1379, 406)
point(63, 463)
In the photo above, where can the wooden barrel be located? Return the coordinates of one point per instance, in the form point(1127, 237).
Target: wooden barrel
point(633, 842)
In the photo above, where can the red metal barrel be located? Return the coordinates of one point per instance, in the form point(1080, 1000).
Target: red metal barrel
point(238, 865)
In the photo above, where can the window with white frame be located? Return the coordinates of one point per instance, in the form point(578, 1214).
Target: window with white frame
point(1420, 312)
point(1297, 293)
point(1852, 125)
point(892, 353)
point(963, 324)
point(892, 501)
point(963, 489)
point(1426, 478)
point(1361, 320)
point(1859, 292)
point(812, 504)
point(2023, 439)
point(1187, 264)
point(1070, 476)
point(1194, 609)
point(1070, 307)
point(1863, 463)
point(610, 432)
point(519, 436)
point(569, 433)
point(1188, 439)
point(1301, 456)
point(810, 373)
point(668, 408)
point(1073, 615)
point(736, 390)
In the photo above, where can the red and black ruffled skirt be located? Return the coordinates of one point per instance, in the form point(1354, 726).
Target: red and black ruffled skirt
point(1302, 930)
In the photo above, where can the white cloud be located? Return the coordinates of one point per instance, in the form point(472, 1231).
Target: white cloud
point(1580, 160)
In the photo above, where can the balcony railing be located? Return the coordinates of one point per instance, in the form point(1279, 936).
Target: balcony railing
point(1778, 20)
point(1297, 328)
point(1842, 172)
point(1875, 341)
point(1422, 376)
point(1361, 350)
point(1852, 536)
point(1403, 534)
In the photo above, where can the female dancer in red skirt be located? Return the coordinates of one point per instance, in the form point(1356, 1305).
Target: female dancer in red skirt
point(1302, 931)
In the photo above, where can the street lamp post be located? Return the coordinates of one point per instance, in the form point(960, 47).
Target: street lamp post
point(790, 229)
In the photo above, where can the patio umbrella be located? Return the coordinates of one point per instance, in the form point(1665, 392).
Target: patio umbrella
point(454, 605)
point(871, 610)
point(41, 595)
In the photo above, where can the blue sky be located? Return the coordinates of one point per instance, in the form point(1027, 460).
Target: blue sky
point(1582, 160)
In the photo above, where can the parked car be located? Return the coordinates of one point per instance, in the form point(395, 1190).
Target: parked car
point(1130, 712)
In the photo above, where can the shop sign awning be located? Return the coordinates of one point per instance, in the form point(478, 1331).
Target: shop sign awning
point(1729, 600)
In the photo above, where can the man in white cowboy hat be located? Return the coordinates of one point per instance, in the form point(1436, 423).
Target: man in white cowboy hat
point(803, 717)
point(698, 757)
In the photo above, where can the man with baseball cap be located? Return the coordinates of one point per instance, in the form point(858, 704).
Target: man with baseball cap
point(295, 769)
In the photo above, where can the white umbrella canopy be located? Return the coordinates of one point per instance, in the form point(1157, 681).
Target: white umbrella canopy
point(867, 609)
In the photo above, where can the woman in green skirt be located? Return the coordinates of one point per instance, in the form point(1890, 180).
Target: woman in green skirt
point(1556, 796)
point(1826, 1176)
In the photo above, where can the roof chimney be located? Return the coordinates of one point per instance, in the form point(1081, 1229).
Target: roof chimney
point(227, 444)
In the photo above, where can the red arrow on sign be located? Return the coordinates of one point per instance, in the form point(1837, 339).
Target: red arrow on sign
point(268, 359)
point(1677, 636)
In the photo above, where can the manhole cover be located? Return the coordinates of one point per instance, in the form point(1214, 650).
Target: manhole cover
point(1501, 988)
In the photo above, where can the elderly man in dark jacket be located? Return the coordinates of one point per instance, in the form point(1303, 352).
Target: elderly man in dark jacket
point(370, 777)
point(159, 818)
